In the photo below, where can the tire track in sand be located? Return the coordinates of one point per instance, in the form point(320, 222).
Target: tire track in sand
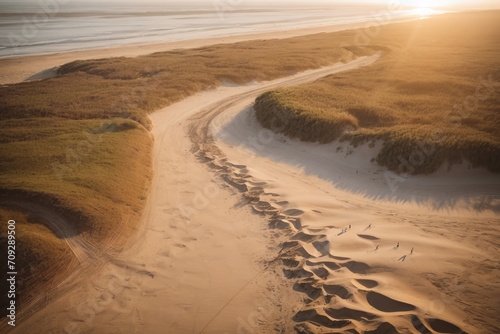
point(306, 258)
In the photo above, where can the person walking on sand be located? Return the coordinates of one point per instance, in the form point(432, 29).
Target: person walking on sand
point(411, 252)
point(397, 246)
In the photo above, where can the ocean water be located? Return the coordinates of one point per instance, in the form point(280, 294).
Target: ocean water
point(48, 26)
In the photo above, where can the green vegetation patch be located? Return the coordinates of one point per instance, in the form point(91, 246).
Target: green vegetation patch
point(434, 98)
point(95, 170)
point(36, 252)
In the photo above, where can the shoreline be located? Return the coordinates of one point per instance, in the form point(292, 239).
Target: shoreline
point(18, 69)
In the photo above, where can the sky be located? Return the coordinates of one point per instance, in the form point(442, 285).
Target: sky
point(412, 3)
point(450, 4)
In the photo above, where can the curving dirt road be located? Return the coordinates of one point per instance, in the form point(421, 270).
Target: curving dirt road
point(203, 262)
point(351, 236)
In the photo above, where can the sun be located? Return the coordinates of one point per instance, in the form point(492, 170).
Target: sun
point(423, 11)
point(425, 3)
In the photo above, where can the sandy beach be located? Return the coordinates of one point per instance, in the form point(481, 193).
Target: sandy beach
point(18, 69)
point(248, 231)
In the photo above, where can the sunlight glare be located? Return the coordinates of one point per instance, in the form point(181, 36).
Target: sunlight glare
point(423, 11)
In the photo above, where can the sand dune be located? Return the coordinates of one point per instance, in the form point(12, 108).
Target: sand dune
point(368, 259)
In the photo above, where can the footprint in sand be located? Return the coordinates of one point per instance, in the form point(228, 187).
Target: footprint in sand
point(256, 190)
point(436, 325)
point(258, 184)
point(336, 290)
point(332, 265)
point(237, 166)
point(347, 313)
point(290, 262)
point(263, 205)
point(235, 182)
point(356, 267)
point(293, 212)
point(316, 319)
point(442, 326)
point(291, 223)
point(419, 326)
point(322, 273)
point(301, 236)
point(297, 273)
point(367, 283)
point(257, 211)
point(309, 289)
point(384, 328)
point(281, 224)
point(322, 246)
point(386, 304)
point(328, 264)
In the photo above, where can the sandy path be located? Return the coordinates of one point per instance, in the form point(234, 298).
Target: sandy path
point(203, 262)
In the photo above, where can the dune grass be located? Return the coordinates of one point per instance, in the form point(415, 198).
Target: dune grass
point(91, 171)
point(94, 173)
point(37, 252)
point(433, 99)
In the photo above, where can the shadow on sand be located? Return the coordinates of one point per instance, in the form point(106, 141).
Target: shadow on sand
point(475, 190)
